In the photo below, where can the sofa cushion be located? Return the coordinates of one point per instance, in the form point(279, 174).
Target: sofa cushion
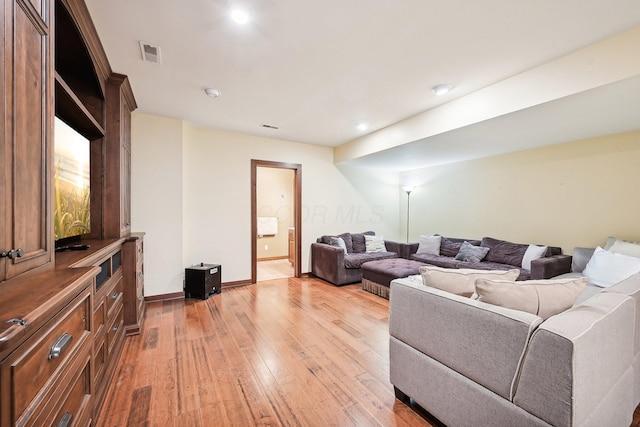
point(504, 252)
point(607, 268)
point(338, 242)
point(347, 241)
point(461, 281)
point(626, 248)
point(544, 298)
point(533, 252)
point(346, 237)
point(374, 243)
point(471, 253)
point(429, 245)
point(356, 260)
point(450, 246)
point(359, 244)
point(437, 260)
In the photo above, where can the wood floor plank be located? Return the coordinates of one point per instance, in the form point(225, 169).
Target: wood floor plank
point(287, 352)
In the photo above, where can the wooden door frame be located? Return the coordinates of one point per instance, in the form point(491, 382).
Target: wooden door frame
point(297, 213)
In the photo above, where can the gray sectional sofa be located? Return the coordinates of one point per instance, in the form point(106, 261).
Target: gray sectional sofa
point(471, 363)
point(502, 255)
point(330, 262)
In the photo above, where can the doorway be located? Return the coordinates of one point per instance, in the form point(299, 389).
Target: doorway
point(276, 213)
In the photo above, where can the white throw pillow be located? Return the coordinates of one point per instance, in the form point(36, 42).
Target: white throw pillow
point(533, 252)
point(607, 268)
point(461, 281)
point(626, 248)
point(374, 243)
point(544, 298)
point(429, 245)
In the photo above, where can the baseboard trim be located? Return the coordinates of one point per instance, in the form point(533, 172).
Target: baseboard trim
point(179, 295)
point(273, 258)
point(226, 285)
point(164, 297)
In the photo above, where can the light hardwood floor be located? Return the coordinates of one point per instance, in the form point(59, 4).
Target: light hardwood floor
point(288, 352)
point(274, 269)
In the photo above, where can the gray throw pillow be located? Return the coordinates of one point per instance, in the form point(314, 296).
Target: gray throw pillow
point(470, 253)
point(339, 242)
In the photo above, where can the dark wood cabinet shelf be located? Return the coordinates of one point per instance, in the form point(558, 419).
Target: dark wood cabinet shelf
point(71, 110)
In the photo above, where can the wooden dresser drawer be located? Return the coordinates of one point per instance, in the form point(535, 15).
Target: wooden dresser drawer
point(114, 297)
point(31, 370)
point(99, 319)
point(71, 405)
point(99, 360)
point(115, 332)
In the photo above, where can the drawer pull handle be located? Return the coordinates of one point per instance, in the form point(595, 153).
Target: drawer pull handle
point(115, 327)
point(114, 295)
point(17, 321)
point(65, 420)
point(59, 346)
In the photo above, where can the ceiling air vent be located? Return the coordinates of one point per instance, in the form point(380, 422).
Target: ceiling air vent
point(270, 126)
point(150, 52)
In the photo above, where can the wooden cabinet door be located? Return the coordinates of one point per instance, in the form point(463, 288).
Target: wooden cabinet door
point(28, 122)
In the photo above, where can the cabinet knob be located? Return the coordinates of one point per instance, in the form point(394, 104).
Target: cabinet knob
point(15, 253)
point(114, 295)
point(3, 254)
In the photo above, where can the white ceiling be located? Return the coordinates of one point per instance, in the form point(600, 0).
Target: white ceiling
point(316, 68)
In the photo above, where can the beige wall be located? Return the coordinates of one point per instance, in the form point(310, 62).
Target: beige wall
point(156, 199)
point(572, 194)
point(274, 198)
point(191, 194)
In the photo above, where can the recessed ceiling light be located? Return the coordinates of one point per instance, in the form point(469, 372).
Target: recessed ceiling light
point(214, 93)
point(441, 89)
point(362, 126)
point(240, 14)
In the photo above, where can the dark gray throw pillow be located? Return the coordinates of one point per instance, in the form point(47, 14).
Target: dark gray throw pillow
point(470, 253)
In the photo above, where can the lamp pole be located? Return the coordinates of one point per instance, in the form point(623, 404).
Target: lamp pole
point(408, 190)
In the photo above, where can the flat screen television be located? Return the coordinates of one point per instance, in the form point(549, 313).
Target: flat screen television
point(71, 184)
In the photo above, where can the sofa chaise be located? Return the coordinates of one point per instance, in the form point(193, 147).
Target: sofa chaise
point(343, 265)
point(471, 363)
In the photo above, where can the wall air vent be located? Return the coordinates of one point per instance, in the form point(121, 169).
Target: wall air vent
point(150, 52)
point(270, 126)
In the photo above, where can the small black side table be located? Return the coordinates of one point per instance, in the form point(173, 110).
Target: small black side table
point(202, 280)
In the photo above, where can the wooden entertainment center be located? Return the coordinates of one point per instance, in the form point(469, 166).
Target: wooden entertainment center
point(63, 316)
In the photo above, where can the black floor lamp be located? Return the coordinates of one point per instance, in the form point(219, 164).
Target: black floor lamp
point(408, 190)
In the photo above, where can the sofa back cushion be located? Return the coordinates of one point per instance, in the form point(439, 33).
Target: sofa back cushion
point(346, 237)
point(359, 244)
point(504, 252)
point(450, 246)
point(542, 297)
point(461, 281)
